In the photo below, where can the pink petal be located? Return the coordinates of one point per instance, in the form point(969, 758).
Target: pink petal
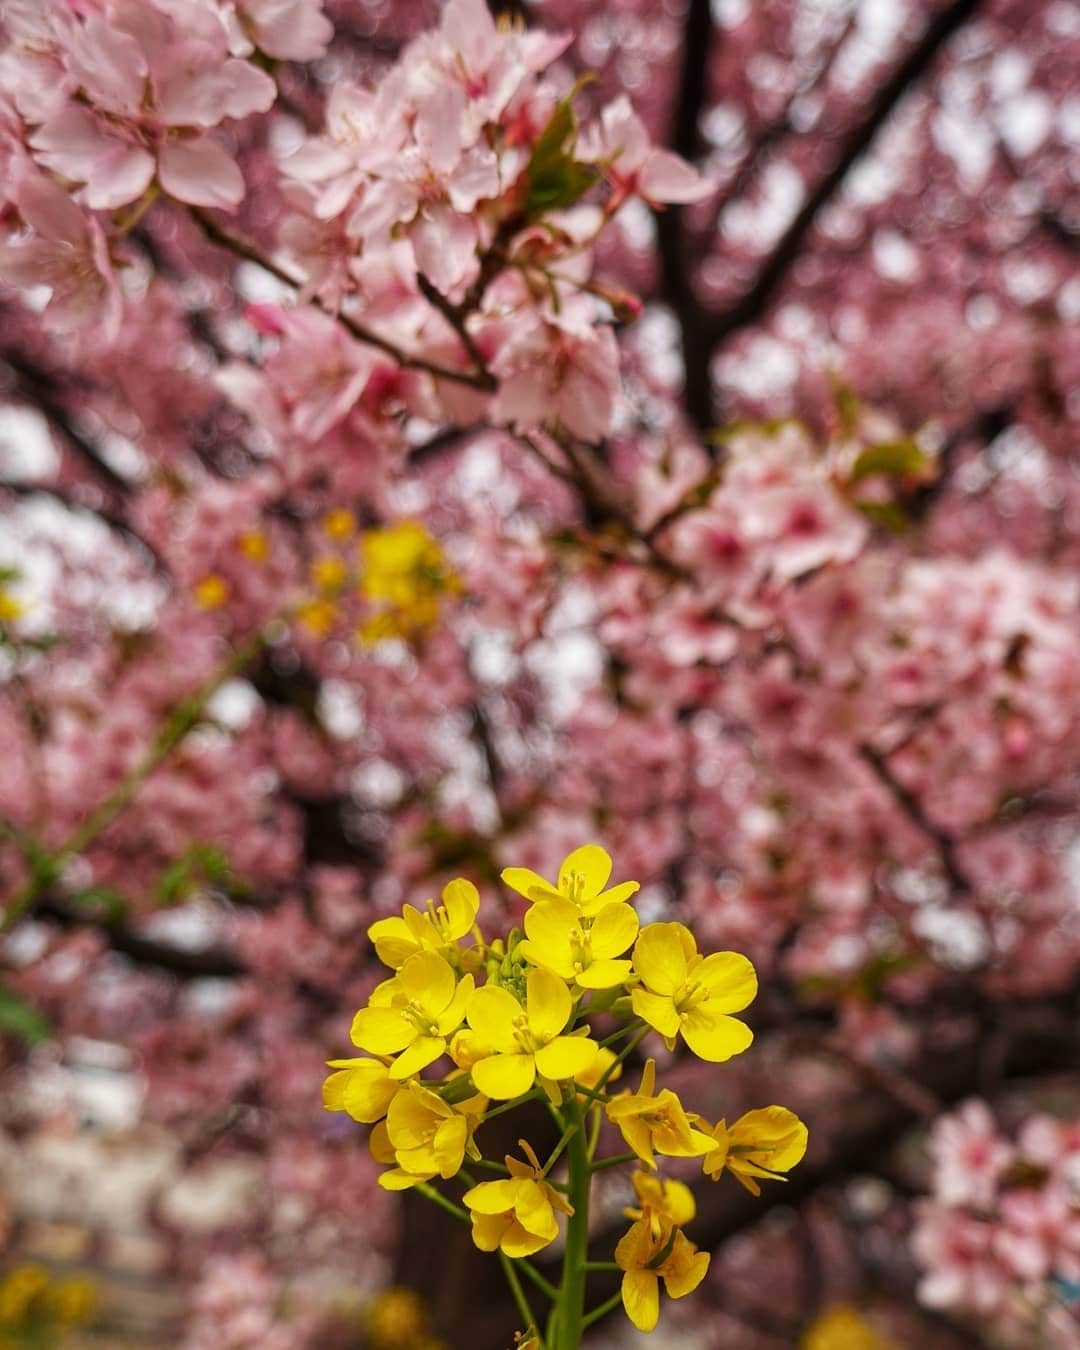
point(201, 173)
point(665, 177)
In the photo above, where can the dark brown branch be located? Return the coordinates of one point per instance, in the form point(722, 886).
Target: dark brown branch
point(676, 279)
point(37, 387)
point(753, 303)
point(942, 840)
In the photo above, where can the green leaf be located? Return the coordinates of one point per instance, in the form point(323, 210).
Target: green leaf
point(556, 179)
point(896, 459)
point(886, 514)
point(19, 1019)
point(102, 903)
point(199, 865)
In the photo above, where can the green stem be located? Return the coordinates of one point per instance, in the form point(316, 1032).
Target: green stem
point(182, 719)
point(617, 1161)
point(557, 1151)
point(519, 1294)
point(511, 1106)
point(602, 1311)
point(572, 1307)
point(545, 1286)
point(430, 1193)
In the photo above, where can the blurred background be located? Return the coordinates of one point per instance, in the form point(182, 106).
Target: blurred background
point(849, 748)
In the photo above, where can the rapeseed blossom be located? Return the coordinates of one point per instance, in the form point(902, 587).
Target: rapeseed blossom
point(468, 1026)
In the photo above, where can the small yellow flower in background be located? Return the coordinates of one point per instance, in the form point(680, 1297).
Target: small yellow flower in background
point(11, 607)
point(691, 995)
point(211, 592)
point(253, 545)
point(517, 1215)
point(32, 1301)
point(659, 1200)
point(656, 1124)
point(843, 1328)
point(650, 1252)
point(397, 1319)
point(404, 575)
point(583, 875)
point(429, 1137)
point(426, 1004)
point(361, 1087)
point(561, 939)
point(761, 1143)
point(319, 617)
point(524, 1042)
point(339, 524)
point(329, 574)
point(439, 930)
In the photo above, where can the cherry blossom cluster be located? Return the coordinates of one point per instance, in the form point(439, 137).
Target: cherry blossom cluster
point(999, 1238)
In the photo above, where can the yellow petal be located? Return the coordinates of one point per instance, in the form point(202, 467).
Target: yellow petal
point(518, 1242)
point(491, 1197)
point(533, 1211)
point(382, 1031)
point(397, 1179)
point(730, 979)
point(557, 962)
point(427, 980)
point(413, 1115)
point(617, 894)
point(549, 923)
point(715, 1038)
point(365, 1090)
point(525, 881)
point(393, 942)
point(453, 1014)
point(641, 1298)
point(548, 1004)
point(566, 1056)
point(379, 1145)
point(461, 900)
point(656, 1009)
point(662, 954)
point(504, 1077)
point(777, 1136)
point(613, 930)
point(448, 1146)
point(491, 1012)
point(585, 872)
point(424, 1050)
point(604, 974)
point(685, 1267)
point(488, 1229)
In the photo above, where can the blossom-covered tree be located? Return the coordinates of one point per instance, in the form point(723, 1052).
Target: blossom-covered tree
point(436, 436)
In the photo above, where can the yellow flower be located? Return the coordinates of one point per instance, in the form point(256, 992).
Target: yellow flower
point(73, 1301)
point(526, 1041)
point(253, 545)
point(561, 939)
point(404, 574)
point(656, 1124)
point(319, 617)
point(20, 1289)
point(329, 574)
point(211, 592)
point(690, 995)
point(429, 1137)
point(842, 1328)
point(761, 1143)
point(417, 1011)
point(361, 1087)
point(439, 930)
point(647, 1257)
point(11, 608)
point(396, 1319)
point(582, 877)
point(339, 524)
point(517, 1215)
point(659, 1200)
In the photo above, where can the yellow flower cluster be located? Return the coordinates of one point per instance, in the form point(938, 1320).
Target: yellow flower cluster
point(392, 588)
point(466, 1028)
point(34, 1305)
